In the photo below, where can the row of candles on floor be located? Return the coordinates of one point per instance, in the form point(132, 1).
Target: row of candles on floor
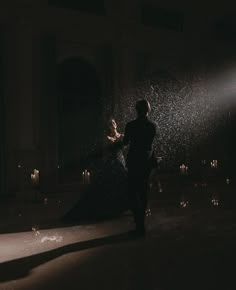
point(86, 175)
point(184, 203)
point(184, 168)
point(35, 177)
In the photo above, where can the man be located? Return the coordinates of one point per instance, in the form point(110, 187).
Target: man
point(139, 135)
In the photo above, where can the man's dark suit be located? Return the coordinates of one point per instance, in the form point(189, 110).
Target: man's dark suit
point(139, 135)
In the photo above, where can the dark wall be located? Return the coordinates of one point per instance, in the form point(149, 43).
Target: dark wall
point(2, 132)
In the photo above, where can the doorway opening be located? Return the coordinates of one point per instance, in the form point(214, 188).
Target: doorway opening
point(80, 117)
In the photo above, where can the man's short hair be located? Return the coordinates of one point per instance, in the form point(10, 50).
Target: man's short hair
point(142, 107)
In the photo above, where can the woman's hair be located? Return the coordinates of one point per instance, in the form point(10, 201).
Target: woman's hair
point(142, 107)
point(109, 125)
point(109, 122)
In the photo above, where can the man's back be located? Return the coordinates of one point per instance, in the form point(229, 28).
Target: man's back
point(139, 135)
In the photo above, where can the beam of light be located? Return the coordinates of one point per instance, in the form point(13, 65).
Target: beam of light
point(188, 111)
point(223, 84)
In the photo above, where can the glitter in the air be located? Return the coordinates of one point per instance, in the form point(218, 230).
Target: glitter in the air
point(185, 110)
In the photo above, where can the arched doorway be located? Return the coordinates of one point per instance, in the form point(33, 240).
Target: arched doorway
point(80, 116)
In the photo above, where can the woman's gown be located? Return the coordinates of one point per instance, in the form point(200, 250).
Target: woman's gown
point(106, 196)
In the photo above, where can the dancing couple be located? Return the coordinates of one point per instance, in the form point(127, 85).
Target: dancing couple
point(121, 183)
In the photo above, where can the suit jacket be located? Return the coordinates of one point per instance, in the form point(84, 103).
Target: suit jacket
point(139, 135)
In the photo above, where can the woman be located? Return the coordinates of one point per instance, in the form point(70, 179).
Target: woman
point(106, 196)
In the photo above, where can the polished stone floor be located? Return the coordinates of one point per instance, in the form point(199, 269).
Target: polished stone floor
point(190, 242)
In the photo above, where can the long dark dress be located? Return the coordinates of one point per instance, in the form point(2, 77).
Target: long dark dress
point(106, 196)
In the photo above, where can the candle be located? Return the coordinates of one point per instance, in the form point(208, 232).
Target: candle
point(215, 200)
point(184, 201)
point(159, 187)
point(148, 212)
point(35, 177)
point(36, 231)
point(183, 169)
point(184, 204)
point(86, 177)
point(214, 164)
point(83, 173)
